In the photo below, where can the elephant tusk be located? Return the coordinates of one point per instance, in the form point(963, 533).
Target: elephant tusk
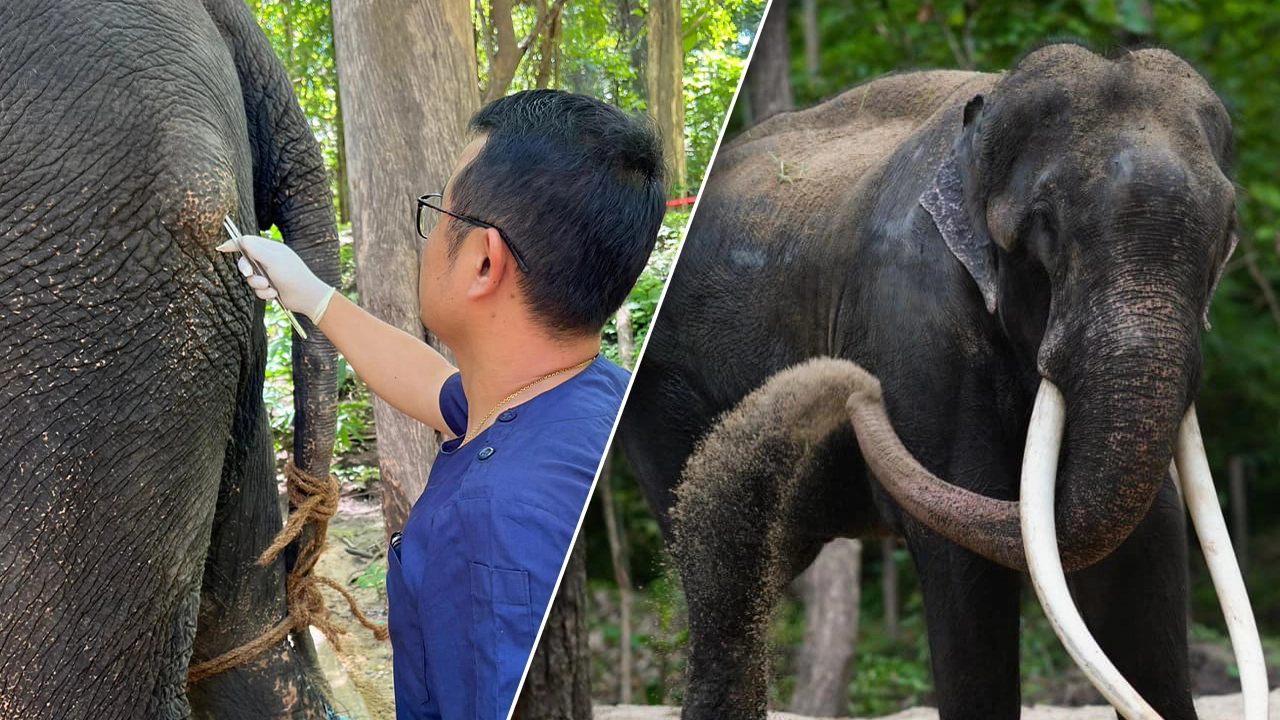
point(1202, 502)
point(1040, 542)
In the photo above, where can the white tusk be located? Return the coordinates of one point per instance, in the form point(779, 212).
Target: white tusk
point(1215, 542)
point(1040, 541)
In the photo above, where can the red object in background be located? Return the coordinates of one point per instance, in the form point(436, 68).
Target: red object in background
point(682, 201)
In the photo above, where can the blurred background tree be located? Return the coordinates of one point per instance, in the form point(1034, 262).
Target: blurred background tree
point(824, 47)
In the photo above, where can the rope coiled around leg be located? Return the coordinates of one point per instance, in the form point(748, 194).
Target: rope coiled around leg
point(315, 502)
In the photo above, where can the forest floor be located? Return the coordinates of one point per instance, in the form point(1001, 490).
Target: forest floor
point(1214, 707)
point(357, 558)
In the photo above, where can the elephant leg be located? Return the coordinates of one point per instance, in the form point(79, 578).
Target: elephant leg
point(240, 599)
point(1135, 604)
point(971, 611)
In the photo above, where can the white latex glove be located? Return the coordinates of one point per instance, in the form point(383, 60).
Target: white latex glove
point(292, 282)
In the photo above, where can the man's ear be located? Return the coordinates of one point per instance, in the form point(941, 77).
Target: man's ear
point(490, 264)
point(957, 208)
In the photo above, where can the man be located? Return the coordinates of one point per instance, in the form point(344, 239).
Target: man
point(546, 223)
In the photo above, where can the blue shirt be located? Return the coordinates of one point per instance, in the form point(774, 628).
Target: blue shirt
point(472, 574)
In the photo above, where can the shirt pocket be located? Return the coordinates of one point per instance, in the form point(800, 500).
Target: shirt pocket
point(505, 632)
point(409, 653)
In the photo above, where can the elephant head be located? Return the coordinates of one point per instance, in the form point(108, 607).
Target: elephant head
point(1089, 201)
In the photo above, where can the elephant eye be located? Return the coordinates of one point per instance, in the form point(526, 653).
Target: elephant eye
point(1042, 231)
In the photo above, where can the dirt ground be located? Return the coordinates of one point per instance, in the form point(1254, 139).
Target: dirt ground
point(357, 548)
point(1216, 707)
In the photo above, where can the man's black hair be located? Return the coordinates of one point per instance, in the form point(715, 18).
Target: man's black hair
point(578, 186)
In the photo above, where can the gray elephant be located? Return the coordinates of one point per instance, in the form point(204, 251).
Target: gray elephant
point(139, 473)
point(965, 238)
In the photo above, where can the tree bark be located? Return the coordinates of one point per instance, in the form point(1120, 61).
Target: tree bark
point(558, 685)
point(407, 87)
point(621, 576)
point(812, 42)
point(665, 81)
point(626, 337)
point(831, 596)
point(889, 587)
point(507, 52)
point(768, 78)
point(548, 49)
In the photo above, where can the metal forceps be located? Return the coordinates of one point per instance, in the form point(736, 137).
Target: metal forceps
point(235, 234)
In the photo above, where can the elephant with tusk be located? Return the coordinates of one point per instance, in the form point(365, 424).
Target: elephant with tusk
point(1022, 263)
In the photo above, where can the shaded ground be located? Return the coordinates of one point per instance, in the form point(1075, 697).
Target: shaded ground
point(357, 558)
point(1217, 707)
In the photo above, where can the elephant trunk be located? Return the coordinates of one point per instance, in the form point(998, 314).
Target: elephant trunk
point(1117, 427)
point(1127, 384)
point(1124, 405)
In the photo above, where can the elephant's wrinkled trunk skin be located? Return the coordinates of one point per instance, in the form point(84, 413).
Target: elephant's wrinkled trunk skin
point(1127, 384)
point(1127, 376)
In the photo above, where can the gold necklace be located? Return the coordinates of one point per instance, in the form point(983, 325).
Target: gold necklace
point(467, 438)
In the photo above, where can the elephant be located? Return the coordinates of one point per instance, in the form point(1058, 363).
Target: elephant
point(138, 462)
point(965, 238)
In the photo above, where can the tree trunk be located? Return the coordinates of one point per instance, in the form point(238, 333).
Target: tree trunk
point(632, 40)
point(408, 87)
point(889, 587)
point(626, 337)
point(507, 51)
point(768, 78)
point(558, 685)
point(621, 576)
point(547, 49)
point(812, 48)
point(666, 85)
point(831, 596)
point(343, 198)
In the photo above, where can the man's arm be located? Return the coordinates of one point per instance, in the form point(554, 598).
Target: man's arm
point(399, 368)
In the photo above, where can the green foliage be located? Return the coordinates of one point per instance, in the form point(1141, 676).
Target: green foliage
point(301, 32)
point(374, 576)
point(602, 50)
point(718, 37)
point(355, 409)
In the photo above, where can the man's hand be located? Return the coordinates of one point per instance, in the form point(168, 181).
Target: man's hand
point(396, 366)
point(297, 288)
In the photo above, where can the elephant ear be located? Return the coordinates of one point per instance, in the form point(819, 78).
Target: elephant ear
point(951, 201)
point(1222, 266)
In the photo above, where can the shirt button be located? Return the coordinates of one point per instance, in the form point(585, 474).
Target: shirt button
point(486, 453)
point(507, 416)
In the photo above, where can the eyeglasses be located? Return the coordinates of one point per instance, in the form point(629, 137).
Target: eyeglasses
point(435, 200)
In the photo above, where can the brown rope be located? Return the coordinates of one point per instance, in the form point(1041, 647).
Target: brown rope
point(315, 501)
